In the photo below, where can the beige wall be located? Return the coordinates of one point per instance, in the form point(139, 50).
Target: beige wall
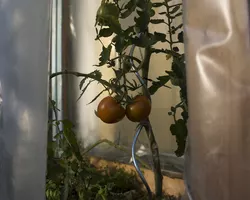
point(91, 128)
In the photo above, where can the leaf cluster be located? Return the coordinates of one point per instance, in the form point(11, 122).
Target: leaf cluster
point(70, 175)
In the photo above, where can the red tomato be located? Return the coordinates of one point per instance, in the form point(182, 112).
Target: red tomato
point(110, 111)
point(139, 109)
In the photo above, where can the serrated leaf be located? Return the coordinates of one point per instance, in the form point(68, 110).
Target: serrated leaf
point(84, 89)
point(105, 32)
point(175, 9)
point(98, 75)
point(82, 82)
point(179, 130)
point(156, 85)
point(157, 21)
point(105, 55)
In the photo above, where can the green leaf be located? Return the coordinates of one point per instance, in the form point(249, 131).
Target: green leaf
point(108, 15)
point(167, 51)
point(141, 3)
point(84, 89)
point(126, 65)
point(184, 115)
point(173, 109)
point(70, 137)
point(160, 37)
point(174, 29)
point(74, 166)
point(152, 13)
point(178, 14)
point(159, 4)
point(105, 32)
point(114, 25)
point(144, 40)
point(120, 43)
point(105, 55)
point(156, 85)
point(97, 96)
point(157, 21)
point(178, 68)
point(162, 13)
point(143, 20)
point(181, 37)
point(175, 9)
point(107, 10)
point(129, 9)
point(118, 72)
point(82, 82)
point(179, 130)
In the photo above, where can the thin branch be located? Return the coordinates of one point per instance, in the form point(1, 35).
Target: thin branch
point(78, 74)
point(169, 26)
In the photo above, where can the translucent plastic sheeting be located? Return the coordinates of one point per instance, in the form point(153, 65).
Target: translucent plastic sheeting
point(24, 51)
point(218, 72)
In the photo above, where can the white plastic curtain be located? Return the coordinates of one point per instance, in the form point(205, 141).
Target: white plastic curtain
point(24, 64)
point(218, 72)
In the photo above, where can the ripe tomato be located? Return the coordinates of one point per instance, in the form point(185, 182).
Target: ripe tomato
point(110, 111)
point(139, 109)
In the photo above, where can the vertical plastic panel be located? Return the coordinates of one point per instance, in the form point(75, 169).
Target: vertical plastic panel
point(24, 60)
point(218, 69)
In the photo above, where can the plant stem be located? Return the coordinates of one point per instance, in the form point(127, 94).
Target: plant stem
point(156, 160)
point(153, 144)
point(169, 25)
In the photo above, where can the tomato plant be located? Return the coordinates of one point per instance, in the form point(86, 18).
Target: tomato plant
point(110, 111)
point(139, 109)
point(138, 34)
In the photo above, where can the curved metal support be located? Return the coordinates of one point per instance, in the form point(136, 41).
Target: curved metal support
point(138, 131)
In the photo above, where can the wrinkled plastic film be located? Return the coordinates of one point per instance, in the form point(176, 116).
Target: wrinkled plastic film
point(218, 72)
point(24, 62)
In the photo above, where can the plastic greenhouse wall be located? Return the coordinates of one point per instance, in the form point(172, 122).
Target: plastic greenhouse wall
point(218, 68)
point(24, 64)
